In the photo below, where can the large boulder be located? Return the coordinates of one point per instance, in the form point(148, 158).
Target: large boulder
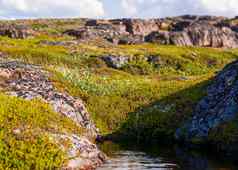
point(180, 38)
point(116, 62)
point(159, 37)
point(14, 31)
point(218, 107)
point(141, 27)
point(81, 33)
point(180, 26)
point(129, 39)
point(210, 36)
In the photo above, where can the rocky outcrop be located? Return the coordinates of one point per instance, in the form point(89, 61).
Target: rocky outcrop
point(162, 37)
point(30, 82)
point(211, 36)
point(15, 31)
point(204, 31)
point(180, 38)
point(141, 27)
point(82, 154)
point(113, 34)
point(218, 107)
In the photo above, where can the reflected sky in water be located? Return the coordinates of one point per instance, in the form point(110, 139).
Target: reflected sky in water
point(132, 160)
point(160, 158)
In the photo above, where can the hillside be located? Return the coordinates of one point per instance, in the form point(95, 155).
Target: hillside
point(59, 84)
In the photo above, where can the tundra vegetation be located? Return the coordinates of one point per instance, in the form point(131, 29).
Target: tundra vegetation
point(141, 99)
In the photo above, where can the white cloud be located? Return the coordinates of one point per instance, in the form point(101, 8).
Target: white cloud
point(115, 8)
point(222, 7)
point(51, 8)
point(133, 7)
point(161, 8)
point(130, 6)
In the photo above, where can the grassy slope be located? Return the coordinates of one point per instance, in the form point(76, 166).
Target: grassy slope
point(163, 96)
point(24, 139)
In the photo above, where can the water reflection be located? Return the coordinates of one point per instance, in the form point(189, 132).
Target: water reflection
point(132, 160)
point(159, 158)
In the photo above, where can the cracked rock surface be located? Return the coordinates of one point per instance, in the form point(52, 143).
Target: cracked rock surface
point(219, 106)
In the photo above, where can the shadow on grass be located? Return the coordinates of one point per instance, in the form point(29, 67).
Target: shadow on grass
point(159, 120)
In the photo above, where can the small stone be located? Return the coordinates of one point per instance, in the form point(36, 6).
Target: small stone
point(16, 131)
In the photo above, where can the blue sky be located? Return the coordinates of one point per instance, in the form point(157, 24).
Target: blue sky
point(11, 9)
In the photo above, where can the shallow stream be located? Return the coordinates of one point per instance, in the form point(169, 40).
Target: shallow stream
point(154, 157)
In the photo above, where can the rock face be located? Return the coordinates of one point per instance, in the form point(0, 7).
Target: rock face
point(13, 31)
point(219, 106)
point(204, 31)
point(141, 27)
point(162, 37)
point(30, 82)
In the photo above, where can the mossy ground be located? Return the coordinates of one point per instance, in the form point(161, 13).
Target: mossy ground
point(141, 99)
point(25, 130)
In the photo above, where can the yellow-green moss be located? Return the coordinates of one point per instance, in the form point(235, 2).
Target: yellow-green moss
point(24, 129)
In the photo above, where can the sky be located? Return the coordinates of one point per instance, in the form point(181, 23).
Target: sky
point(15, 9)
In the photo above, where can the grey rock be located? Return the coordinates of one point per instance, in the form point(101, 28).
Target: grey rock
point(210, 36)
point(128, 40)
point(116, 62)
point(180, 39)
point(30, 82)
point(159, 37)
point(92, 22)
point(15, 31)
point(219, 106)
point(141, 27)
point(81, 153)
point(181, 25)
point(187, 30)
point(33, 82)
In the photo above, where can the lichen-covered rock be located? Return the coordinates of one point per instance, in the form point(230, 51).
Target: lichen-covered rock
point(31, 82)
point(218, 107)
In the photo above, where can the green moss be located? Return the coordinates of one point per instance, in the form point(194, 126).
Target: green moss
point(140, 67)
